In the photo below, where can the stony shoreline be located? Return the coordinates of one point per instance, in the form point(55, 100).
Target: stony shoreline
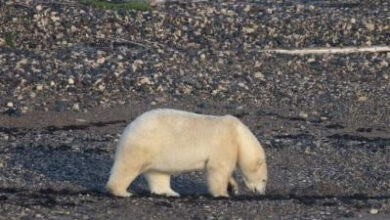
point(72, 77)
point(67, 56)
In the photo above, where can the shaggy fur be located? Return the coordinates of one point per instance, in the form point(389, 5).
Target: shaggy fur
point(162, 142)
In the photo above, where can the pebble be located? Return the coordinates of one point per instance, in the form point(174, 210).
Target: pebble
point(10, 104)
point(303, 115)
point(39, 7)
point(145, 80)
point(259, 75)
point(101, 87)
point(76, 107)
point(24, 109)
point(70, 81)
point(81, 120)
point(362, 98)
point(228, 37)
point(101, 60)
point(247, 8)
point(374, 211)
point(248, 30)
point(39, 87)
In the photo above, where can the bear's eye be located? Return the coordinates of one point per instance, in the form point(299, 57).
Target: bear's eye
point(259, 163)
point(264, 181)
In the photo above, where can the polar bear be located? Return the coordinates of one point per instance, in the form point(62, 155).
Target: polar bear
point(163, 142)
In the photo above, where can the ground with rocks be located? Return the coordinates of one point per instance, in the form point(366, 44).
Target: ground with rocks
point(72, 77)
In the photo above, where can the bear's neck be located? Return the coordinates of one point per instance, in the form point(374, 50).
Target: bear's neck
point(249, 149)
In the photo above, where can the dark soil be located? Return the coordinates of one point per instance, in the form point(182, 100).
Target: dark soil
point(72, 77)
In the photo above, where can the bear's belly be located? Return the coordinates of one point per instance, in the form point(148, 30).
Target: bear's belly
point(178, 162)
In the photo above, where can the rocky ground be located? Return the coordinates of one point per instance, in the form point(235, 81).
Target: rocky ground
point(72, 77)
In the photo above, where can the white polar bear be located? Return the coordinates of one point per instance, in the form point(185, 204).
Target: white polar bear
point(162, 142)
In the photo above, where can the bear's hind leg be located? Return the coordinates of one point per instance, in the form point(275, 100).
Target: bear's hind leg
point(120, 178)
point(160, 184)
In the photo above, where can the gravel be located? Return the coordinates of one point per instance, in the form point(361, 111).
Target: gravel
point(72, 53)
point(72, 76)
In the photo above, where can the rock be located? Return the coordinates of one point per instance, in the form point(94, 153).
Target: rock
point(2, 42)
point(24, 109)
point(33, 95)
point(369, 25)
point(39, 87)
point(259, 75)
point(303, 115)
point(299, 8)
point(145, 80)
point(247, 8)
point(76, 107)
point(101, 87)
point(137, 64)
point(73, 28)
point(101, 60)
point(249, 30)
point(362, 98)
point(10, 104)
point(70, 81)
point(374, 211)
point(39, 7)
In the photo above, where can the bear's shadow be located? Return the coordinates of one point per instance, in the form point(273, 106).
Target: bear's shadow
point(55, 166)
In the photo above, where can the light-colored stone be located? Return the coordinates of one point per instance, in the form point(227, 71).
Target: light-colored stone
point(70, 81)
point(2, 42)
point(362, 98)
point(303, 115)
point(145, 80)
point(39, 87)
point(247, 8)
point(374, 211)
point(101, 60)
point(249, 30)
point(259, 75)
point(76, 107)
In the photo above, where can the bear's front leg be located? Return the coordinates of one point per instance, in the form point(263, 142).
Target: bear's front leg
point(233, 186)
point(218, 178)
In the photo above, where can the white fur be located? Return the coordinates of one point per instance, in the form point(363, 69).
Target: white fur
point(162, 142)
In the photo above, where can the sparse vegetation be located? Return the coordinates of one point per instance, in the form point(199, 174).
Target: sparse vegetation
point(136, 5)
point(10, 39)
